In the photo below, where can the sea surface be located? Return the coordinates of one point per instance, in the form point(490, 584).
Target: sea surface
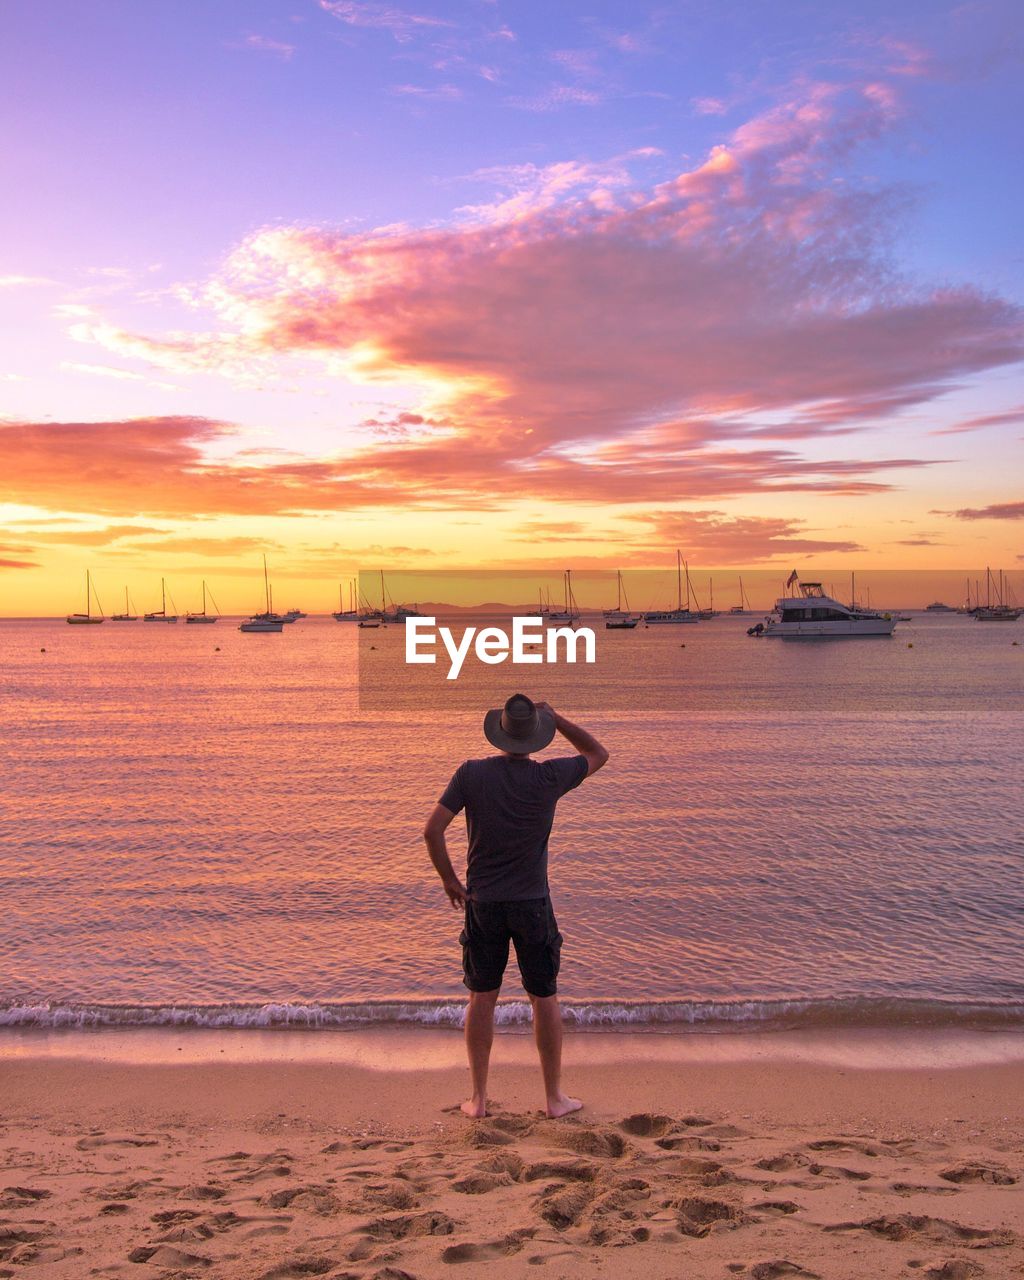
point(200, 827)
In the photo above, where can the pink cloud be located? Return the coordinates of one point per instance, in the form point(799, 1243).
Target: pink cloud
point(995, 511)
point(589, 340)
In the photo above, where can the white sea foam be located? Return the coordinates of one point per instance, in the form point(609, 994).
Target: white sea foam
point(675, 1015)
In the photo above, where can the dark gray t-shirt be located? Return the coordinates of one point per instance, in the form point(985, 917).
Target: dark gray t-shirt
point(510, 806)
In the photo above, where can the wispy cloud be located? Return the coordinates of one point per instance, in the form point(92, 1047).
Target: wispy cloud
point(428, 93)
point(556, 96)
point(265, 44)
point(403, 24)
point(1004, 418)
point(994, 511)
point(24, 282)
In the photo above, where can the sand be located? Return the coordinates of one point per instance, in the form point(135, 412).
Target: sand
point(187, 1155)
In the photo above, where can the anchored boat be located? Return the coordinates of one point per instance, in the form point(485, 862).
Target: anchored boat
point(161, 614)
point(813, 615)
point(679, 614)
point(268, 621)
point(88, 618)
point(203, 616)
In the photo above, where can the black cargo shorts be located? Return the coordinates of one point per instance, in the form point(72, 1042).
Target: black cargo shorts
point(532, 929)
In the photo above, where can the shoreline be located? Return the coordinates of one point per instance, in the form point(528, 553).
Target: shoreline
point(410, 1049)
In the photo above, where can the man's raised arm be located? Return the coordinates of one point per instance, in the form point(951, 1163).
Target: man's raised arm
point(585, 743)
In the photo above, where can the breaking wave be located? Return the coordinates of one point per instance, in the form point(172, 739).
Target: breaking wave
point(656, 1015)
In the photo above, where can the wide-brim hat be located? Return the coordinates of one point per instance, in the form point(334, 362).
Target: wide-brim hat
point(519, 726)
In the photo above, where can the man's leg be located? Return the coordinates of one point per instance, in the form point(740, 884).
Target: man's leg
point(547, 1030)
point(479, 1037)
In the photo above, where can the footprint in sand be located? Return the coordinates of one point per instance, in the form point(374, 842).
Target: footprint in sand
point(920, 1189)
point(297, 1267)
point(845, 1144)
point(956, 1269)
point(838, 1171)
point(646, 1124)
point(98, 1140)
point(979, 1173)
point(203, 1191)
point(908, 1226)
point(587, 1141)
point(403, 1226)
point(709, 1173)
point(687, 1142)
point(562, 1206)
point(479, 1184)
point(783, 1163)
point(504, 1248)
point(779, 1208)
point(569, 1170)
point(778, 1269)
point(509, 1162)
point(699, 1216)
point(314, 1199)
point(165, 1256)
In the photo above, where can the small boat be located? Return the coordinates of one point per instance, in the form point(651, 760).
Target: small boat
point(677, 615)
point(268, 621)
point(999, 610)
point(939, 607)
point(743, 608)
point(293, 615)
point(259, 624)
point(570, 612)
point(369, 622)
point(129, 614)
point(203, 616)
point(161, 614)
point(813, 615)
point(618, 619)
point(88, 618)
point(351, 614)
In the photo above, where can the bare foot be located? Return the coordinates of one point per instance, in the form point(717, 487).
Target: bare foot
point(562, 1105)
point(475, 1108)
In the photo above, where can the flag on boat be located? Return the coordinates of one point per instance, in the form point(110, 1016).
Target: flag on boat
point(791, 579)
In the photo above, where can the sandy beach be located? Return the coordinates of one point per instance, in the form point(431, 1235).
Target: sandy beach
point(290, 1155)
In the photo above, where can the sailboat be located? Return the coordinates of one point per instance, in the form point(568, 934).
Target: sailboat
point(351, 614)
point(617, 611)
point(678, 614)
point(87, 618)
point(570, 613)
point(739, 610)
point(268, 621)
point(615, 619)
point(203, 616)
point(1001, 611)
point(129, 614)
point(161, 614)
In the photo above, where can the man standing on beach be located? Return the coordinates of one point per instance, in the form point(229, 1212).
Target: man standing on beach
point(510, 806)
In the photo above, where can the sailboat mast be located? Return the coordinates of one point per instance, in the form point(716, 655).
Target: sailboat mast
point(88, 593)
point(679, 581)
point(266, 582)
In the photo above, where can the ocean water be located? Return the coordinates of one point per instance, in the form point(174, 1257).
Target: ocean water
point(201, 827)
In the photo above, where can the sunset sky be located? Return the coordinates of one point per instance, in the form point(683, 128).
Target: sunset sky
point(497, 282)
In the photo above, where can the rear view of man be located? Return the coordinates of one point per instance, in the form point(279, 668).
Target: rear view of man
point(510, 806)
